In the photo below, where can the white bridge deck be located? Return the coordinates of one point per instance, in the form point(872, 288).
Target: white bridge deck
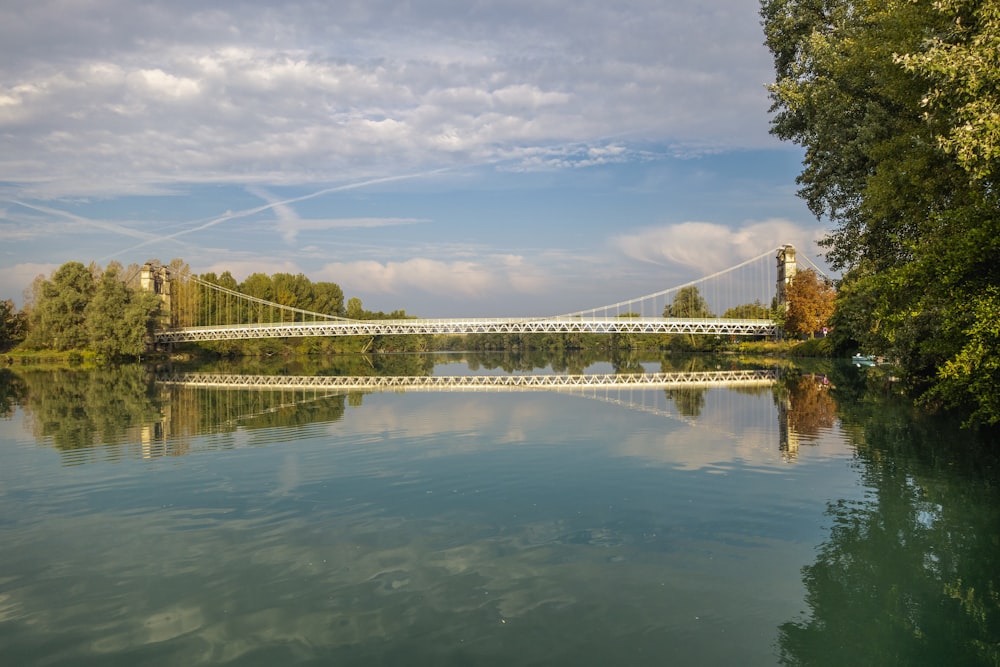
point(334, 383)
point(637, 325)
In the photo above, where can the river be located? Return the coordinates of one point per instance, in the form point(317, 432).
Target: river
point(812, 518)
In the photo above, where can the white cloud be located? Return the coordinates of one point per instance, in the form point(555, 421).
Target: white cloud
point(161, 85)
point(529, 97)
point(570, 156)
point(428, 275)
point(111, 97)
point(452, 279)
point(711, 247)
point(23, 274)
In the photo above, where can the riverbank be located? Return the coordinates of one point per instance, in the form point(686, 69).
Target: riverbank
point(816, 348)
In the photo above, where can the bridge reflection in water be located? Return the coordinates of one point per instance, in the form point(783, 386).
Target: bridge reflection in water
point(679, 396)
point(744, 378)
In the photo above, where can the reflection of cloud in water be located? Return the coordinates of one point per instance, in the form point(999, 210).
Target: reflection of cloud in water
point(289, 475)
point(505, 417)
point(716, 436)
point(690, 449)
point(345, 541)
point(352, 584)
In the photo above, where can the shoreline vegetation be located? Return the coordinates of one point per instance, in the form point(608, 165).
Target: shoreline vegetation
point(85, 358)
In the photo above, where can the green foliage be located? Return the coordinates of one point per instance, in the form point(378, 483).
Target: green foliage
point(13, 325)
point(871, 165)
point(104, 312)
point(748, 311)
point(57, 318)
point(963, 66)
point(972, 376)
point(896, 105)
point(119, 320)
point(296, 291)
point(84, 308)
point(814, 347)
point(852, 329)
point(688, 303)
point(355, 310)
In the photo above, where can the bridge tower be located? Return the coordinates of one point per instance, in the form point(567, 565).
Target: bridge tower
point(786, 271)
point(156, 279)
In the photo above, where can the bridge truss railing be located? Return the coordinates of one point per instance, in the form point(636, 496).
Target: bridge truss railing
point(333, 383)
point(702, 326)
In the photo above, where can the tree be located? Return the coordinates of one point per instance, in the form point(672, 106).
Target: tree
point(851, 326)
point(963, 65)
point(104, 313)
point(294, 291)
point(355, 310)
point(328, 298)
point(748, 311)
point(810, 303)
point(119, 320)
point(973, 375)
point(688, 303)
point(896, 105)
point(13, 324)
point(57, 319)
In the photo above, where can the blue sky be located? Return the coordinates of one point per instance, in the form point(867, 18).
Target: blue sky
point(472, 158)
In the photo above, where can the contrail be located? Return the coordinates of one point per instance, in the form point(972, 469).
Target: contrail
point(106, 226)
point(230, 215)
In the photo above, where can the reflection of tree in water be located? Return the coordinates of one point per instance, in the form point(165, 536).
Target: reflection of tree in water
point(198, 410)
point(81, 409)
point(811, 409)
point(121, 405)
point(510, 361)
point(688, 400)
point(346, 364)
point(908, 576)
point(626, 361)
point(11, 392)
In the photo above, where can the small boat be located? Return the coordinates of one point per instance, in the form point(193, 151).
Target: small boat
point(860, 360)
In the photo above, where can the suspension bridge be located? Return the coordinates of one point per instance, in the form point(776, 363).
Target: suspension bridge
point(200, 310)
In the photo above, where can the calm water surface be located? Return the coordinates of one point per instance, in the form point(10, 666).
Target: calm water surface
point(796, 523)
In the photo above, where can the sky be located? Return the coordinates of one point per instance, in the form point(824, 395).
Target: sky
point(450, 158)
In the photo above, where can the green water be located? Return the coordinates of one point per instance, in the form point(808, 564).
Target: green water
point(802, 523)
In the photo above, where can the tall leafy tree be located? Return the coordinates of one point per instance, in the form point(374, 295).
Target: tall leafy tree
point(810, 303)
point(57, 319)
point(328, 298)
point(748, 311)
point(13, 324)
point(355, 310)
point(963, 66)
point(118, 319)
point(895, 103)
point(688, 302)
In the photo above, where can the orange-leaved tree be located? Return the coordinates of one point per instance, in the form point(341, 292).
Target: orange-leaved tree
point(810, 303)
